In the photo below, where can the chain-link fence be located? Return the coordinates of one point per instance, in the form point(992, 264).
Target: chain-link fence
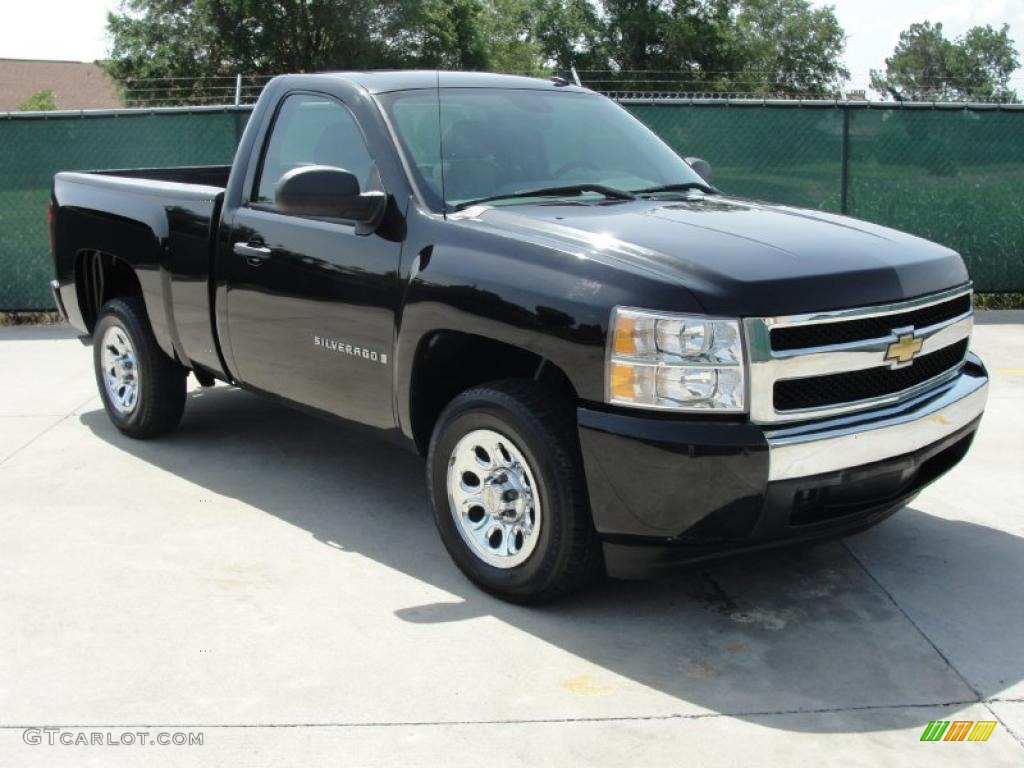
point(33, 149)
point(953, 175)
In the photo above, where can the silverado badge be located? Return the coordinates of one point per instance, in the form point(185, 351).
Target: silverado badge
point(333, 345)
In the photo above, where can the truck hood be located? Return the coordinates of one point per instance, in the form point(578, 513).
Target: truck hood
point(738, 257)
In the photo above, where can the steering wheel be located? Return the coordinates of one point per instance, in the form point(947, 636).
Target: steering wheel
point(573, 165)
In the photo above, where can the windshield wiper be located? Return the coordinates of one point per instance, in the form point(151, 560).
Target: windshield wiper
point(570, 190)
point(683, 187)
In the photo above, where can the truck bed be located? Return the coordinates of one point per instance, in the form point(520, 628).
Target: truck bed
point(161, 221)
point(206, 175)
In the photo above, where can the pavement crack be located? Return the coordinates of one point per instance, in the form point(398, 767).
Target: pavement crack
point(892, 599)
point(55, 424)
point(523, 721)
point(985, 702)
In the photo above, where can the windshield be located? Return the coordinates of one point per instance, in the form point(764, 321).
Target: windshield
point(482, 142)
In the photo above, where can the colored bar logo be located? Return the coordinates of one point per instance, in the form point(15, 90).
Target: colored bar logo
point(958, 730)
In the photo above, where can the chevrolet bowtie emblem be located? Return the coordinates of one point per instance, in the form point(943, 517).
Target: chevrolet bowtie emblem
point(903, 351)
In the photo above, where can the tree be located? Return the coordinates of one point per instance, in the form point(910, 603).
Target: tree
point(926, 66)
point(194, 41)
point(983, 62)
point(790, 48)
point(442, 34)
point(761, 46)
point(467, 34)
point(42, 101)
point(569, 33)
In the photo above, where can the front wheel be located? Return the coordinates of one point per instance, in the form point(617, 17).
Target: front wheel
point(508, 491)
point(143, 390)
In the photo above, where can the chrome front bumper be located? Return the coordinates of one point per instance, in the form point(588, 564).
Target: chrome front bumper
point(864, 438)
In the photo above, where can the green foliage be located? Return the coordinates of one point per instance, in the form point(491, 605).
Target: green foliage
point(790, 47)
point(691, 36)
point(192, 39)
point(763, 46)
point(43, 101)
point(926, 66)
point(466, 34)
point(759, 46)
point(569, 33)
point(999, 300)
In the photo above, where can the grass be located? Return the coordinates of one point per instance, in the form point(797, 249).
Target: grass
point(30, 318)
point(999, 300)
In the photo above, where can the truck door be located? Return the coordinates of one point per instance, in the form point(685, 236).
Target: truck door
point(311, 304)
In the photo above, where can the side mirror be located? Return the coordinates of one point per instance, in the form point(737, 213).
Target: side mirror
point(321, 190)
point(702, 167)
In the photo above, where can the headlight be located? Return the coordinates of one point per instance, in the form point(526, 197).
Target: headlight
point(675, 362)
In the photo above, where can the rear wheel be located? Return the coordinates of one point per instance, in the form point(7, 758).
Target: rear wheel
point(143, 390)
point(508, 491)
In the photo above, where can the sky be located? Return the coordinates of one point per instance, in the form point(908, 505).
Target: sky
point(873, 27)
point(75, 29)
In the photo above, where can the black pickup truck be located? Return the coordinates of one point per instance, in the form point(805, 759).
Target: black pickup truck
point(609, 364)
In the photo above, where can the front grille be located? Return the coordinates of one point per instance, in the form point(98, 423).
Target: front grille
point(851, 386)
point(860, 329)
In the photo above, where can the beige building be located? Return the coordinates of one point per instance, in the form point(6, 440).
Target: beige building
point(75, 84)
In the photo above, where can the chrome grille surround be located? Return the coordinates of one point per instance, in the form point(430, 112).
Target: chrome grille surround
point(766, 366)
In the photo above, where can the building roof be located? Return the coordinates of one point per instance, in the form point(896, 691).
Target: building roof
point(75, 84)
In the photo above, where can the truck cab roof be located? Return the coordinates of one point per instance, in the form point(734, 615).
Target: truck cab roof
point(387, 81)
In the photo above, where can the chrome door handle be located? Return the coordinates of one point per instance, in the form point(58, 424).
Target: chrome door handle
point(254, 254)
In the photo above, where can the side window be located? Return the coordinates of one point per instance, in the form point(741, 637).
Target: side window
point(312, 130)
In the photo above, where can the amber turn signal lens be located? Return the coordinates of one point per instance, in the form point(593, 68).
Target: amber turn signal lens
point(625, 336)
point(622, 382)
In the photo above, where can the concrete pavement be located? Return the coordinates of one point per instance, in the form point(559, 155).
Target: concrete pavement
point(275, 582)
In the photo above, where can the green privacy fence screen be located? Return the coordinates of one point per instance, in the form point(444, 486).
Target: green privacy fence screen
point(954, 175)
point(951, 174)
point(32, 149)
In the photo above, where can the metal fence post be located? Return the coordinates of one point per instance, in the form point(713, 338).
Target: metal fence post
point(844, 173)
point(238, 89)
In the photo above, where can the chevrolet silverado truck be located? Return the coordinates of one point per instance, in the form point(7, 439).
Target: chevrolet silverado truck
point(610, 365)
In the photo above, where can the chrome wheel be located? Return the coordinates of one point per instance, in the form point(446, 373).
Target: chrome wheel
point(494, 498)
point(120, 372)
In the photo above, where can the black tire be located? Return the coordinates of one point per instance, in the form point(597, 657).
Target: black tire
point(543, 428)
point(162, 381)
